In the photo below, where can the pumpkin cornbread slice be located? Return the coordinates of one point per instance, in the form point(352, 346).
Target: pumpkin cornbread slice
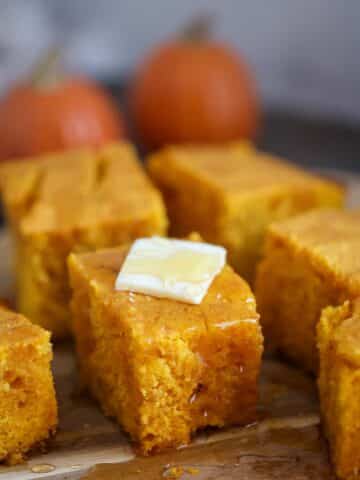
point(311, 262)
point(163, 368)
point(79, 200)
point(231, 193)
point(339, 385)
point(28, 410)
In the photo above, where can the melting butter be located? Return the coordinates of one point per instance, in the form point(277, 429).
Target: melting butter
point(181, 266)
point(176, 269)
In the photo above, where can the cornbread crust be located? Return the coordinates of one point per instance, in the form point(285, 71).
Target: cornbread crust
point(231, 193)
point(163, 368)
point(311, 262)
point(28, 409)
point(79, 201)
point(339, 385)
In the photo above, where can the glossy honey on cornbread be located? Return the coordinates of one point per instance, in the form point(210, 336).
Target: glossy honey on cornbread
point(78, 200)
point(164, 368)
point(339, 385)
point(28, 410)
point(311, 262)
point(230, 193)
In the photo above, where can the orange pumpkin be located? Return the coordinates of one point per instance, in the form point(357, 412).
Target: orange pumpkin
point(194, 91)
point(51, 113)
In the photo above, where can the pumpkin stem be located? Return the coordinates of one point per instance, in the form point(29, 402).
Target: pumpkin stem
point(199, 28)
point(47, 71)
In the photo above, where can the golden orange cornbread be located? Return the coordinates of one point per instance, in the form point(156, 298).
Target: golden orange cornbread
point(311, 262)
point(339, 386)
point(79, 200)
point(163, 368)
point(230, 194)
point(28, 410)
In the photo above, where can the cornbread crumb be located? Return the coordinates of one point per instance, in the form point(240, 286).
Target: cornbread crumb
point(231, 193)
point(311, 261)
point(28, 410)
point(164, 368)
point(80, 200)
point(339, 385)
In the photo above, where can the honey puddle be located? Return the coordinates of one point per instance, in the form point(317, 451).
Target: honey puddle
point(42, 468)
point(285, 443)
point(284, 453)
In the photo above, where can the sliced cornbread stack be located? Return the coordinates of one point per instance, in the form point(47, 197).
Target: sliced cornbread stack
point(339, 385)
point(28, 410)
point(78, 200)
point(231, 193)
point(311, 262)
point(162, 367)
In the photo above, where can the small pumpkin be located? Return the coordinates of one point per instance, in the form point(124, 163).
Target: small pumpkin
point(193, 89)
point(50, 112)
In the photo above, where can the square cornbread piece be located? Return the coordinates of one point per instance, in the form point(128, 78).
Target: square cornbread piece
point(79, 200)
point(163, 368)
point(339, 385)
point(230, 194)
point(28, 410)
point(311, 262)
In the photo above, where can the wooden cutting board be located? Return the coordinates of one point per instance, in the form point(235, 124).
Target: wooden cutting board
point(285, 443)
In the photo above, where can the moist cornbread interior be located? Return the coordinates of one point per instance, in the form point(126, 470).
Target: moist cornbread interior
point(28, 410)
point(79, 200)
point(231, 193)
point(311, 261)
point(164, 368)
point(339, 385)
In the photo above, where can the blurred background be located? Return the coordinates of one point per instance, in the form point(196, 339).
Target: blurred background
point(304, 56)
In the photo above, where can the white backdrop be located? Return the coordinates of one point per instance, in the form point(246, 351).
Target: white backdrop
point(305, 52)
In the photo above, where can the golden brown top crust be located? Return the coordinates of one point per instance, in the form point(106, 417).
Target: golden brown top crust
point(237, 168)
point(16, 329)
point(320, 227)
point(331, 238)
point(228, 302)
point(77, 189)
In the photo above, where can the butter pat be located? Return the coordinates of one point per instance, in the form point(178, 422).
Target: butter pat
point(176, 269)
